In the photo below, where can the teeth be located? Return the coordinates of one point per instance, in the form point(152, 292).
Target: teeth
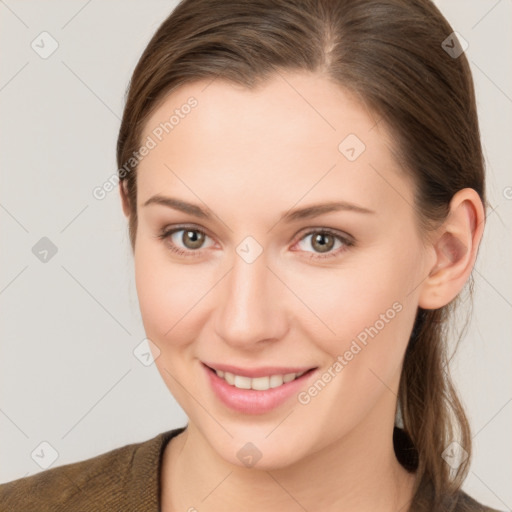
point(242, 382)
point(257, 383)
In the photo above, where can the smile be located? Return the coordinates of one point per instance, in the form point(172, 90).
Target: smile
point(258, 383)
point(260, 393)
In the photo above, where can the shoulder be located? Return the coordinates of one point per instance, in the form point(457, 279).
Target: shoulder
point(120, 478)
point(71, 484)
point(458, 501)
point(466, 503)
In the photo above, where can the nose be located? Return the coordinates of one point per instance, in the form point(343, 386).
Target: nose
point(251, 305)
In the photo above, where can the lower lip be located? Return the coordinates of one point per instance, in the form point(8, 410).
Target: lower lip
point(251, 401)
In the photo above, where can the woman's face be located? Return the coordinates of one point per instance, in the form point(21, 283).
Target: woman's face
point(255, 278)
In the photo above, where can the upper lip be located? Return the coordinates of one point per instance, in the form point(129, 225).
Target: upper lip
point(263, 371)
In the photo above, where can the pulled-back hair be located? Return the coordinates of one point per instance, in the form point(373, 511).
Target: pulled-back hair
point(390, 54)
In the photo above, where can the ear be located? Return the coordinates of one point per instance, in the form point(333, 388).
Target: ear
point(124, 198)
point(455, 247)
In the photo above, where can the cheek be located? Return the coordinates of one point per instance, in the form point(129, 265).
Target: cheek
point(371, 319)
point(363, 310)
point(167, 294)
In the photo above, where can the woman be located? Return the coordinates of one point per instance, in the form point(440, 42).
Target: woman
point(304, 185)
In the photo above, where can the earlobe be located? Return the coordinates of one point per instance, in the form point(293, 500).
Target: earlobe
point(456, 247)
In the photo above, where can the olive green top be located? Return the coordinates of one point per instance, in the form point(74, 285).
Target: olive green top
point(127, 479)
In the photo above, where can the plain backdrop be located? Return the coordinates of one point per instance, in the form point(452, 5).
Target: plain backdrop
point(69, 316)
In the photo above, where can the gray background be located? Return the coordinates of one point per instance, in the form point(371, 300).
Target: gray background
point(68, 375)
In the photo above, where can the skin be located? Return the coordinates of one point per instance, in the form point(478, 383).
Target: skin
point(249, 156)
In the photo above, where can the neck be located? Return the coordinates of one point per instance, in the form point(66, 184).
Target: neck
point(358, 472)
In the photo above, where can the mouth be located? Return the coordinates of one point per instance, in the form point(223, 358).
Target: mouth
point(267, 378)
point(256, 395)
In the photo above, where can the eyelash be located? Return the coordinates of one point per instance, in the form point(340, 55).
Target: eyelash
point(166, 234)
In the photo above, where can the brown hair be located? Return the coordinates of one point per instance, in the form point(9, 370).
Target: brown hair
point(389, 53)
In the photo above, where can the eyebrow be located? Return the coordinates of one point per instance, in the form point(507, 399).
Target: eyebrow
point(307, 212)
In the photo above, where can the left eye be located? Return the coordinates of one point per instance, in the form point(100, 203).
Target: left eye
point(324, 241)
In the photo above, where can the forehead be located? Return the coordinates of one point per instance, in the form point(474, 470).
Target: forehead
point(287, 108)
point(295, 134)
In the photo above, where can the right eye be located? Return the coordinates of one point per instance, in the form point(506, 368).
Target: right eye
point(190, 237)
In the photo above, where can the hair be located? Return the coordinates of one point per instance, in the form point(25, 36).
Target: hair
point(388, 53)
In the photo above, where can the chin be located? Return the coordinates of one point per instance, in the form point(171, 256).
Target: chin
point(256, 452)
